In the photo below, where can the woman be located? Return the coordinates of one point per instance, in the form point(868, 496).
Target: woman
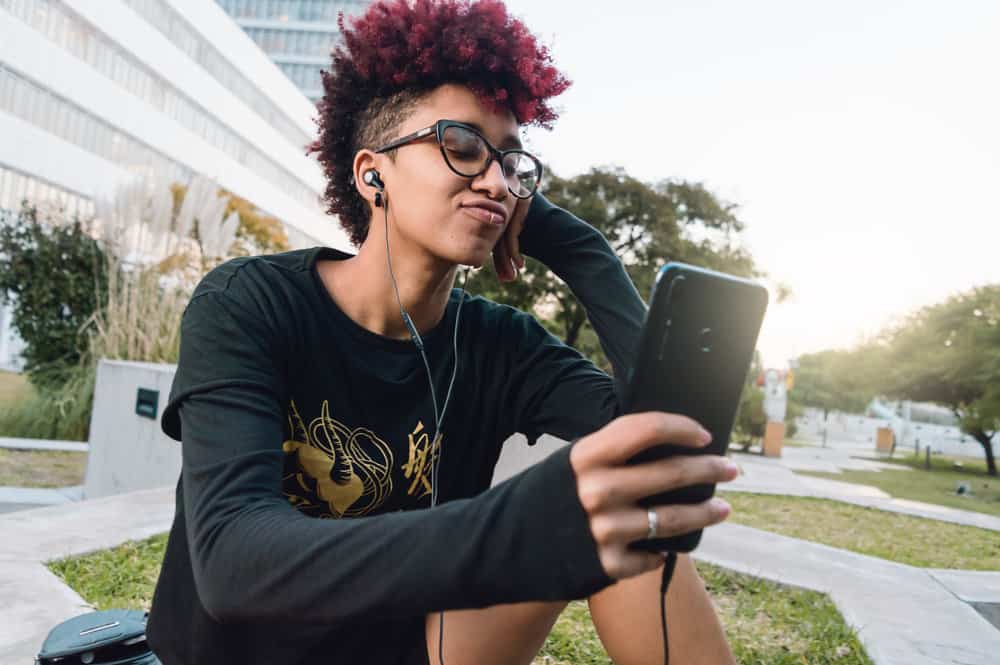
point(315, 405)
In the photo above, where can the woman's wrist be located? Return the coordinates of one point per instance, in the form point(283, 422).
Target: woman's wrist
point(546, 230)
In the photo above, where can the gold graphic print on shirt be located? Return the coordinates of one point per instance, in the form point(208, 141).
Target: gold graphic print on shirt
point(332, 470)
point(422, 457)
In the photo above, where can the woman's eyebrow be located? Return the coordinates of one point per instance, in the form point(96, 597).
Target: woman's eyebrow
point(510, 141)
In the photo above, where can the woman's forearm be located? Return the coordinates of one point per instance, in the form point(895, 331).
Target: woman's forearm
point(581, 256)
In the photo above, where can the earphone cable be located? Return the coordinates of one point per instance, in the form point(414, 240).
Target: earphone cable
point(438, 416)
point(667, 574)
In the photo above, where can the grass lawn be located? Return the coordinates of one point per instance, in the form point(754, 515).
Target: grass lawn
point(41, 468)
point(934, 486)
point(971, 465)
point(901, 538)
point(766, 623)
point(13, 387)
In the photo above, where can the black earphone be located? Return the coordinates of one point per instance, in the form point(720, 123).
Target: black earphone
point(372, 178)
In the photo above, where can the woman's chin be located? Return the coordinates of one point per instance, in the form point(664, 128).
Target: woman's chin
point(474, 257)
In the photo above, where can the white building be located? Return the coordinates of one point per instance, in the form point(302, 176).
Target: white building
point(298, 35)
point(96, 92)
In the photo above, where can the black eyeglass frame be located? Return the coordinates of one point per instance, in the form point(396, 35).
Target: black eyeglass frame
point(438, 129)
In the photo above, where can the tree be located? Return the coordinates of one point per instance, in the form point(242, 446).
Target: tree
point(840, 380)
point(52, 273)
point(646, 225)
point(949, 353)
point(750, 419)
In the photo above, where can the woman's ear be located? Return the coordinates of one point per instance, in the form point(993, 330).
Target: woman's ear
point(366, 160)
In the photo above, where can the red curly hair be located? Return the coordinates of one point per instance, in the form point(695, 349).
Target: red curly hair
point(396, 53)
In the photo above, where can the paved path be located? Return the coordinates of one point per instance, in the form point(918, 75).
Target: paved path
point(903, 615)
point(35, 600)
point(765, 475)
point(23, 498)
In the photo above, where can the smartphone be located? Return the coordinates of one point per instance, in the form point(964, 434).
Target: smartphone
point(694, 353)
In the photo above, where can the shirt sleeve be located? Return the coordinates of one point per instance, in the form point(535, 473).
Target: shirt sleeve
point(555, 389)
point(254, 557)
point(580, 255)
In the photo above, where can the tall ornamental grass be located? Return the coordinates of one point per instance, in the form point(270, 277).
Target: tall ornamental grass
point(157, 248)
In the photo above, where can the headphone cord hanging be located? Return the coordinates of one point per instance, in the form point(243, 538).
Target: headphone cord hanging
point(438, 416)
point(668, 572)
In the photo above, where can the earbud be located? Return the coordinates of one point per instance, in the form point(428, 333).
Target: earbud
point(372, 178)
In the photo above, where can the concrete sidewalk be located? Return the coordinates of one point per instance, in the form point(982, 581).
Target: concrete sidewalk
point(903, 615)
point(35, 600)
point(765, 475)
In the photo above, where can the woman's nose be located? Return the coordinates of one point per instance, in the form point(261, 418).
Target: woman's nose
point(492, 182)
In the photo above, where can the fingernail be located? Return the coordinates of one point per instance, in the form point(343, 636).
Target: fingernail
point(721, 508)
point(732, 467)
point(705, 437)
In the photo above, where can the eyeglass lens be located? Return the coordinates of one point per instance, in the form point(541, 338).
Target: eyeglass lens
point(468, 155)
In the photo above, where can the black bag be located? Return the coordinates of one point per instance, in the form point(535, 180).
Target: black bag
point(111, 637)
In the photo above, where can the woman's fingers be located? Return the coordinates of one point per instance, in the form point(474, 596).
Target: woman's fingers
point(609, 488)
point(676, 520)
point(624, 485)
point(626, 436)
point(507, 257)
point(613, 532)
point(501, 261)
point(510, 240)
point(513, 231)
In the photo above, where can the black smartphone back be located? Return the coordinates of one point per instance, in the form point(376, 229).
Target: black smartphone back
point(694, 353)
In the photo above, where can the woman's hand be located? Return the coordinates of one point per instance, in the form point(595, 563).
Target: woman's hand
point(507, 259)
point(609, 489)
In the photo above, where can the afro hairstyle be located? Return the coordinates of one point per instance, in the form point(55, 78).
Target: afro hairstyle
point(399, 51)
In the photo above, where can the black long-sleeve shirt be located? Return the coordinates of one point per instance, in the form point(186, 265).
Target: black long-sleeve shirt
point(304, 531)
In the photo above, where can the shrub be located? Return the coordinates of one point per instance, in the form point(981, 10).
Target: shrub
point(52, 272)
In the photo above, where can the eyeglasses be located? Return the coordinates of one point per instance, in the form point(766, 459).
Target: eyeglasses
point(468, 154)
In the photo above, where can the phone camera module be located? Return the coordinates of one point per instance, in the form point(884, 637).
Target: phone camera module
point(705, 340)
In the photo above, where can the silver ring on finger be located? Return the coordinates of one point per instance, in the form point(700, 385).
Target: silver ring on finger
point(653, 520)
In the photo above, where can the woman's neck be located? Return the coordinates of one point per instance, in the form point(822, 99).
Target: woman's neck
point(362, 288)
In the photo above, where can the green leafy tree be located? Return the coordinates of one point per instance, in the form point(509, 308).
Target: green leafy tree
point(750, 419)
point(52, 273)
point(647, 226)
point(840, 380)
point(949, 353)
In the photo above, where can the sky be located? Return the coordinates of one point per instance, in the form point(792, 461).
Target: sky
point(861, 140)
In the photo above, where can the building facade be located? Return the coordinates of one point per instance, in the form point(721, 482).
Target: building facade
point(96, 94)
point(298, 35)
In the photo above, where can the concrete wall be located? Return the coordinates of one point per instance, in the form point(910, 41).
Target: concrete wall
point(128, 451)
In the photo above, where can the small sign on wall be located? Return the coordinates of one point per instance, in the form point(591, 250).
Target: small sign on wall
point(146, 403)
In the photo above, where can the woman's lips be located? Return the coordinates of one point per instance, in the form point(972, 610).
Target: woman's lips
point(484, 215)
